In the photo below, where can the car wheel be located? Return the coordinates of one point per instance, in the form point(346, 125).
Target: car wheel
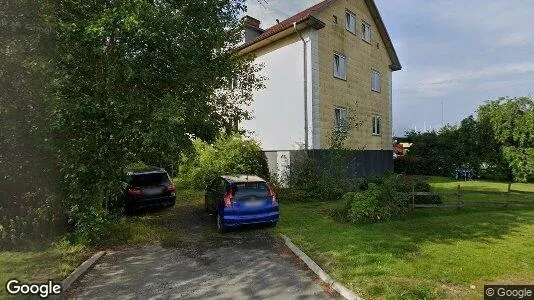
point(220, 225)
point(172, 203)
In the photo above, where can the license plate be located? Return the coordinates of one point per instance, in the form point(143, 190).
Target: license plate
point(253, 203)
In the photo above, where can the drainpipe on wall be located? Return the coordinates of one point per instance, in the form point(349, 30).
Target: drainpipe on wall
point(305, 49)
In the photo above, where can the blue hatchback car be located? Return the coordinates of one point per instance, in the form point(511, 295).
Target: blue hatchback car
point(241, 200)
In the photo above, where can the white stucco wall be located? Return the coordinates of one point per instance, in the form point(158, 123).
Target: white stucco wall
point(278, 110)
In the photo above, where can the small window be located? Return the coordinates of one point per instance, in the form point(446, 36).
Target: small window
point(376, 125)
point(340, 66)
point(375, 81)
point(350, 22)
point(341, 119)
point(366, 32)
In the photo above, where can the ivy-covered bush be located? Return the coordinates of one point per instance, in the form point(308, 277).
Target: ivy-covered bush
point(382, 200)
point(228, 155)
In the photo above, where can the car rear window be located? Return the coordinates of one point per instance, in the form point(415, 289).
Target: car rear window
point(245, 189)
point(150, 179)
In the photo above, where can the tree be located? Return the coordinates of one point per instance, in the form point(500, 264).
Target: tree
point(135, 81)
point(29, 208)
point(512, 123)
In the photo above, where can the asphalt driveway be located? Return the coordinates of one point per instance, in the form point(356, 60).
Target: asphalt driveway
point(248, 266)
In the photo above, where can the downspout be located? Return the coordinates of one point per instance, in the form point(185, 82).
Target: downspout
point(305, 49)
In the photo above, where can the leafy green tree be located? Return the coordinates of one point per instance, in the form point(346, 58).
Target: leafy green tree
point(228, 155)
point(136, 81)
point(29, 208)
point(512, 122)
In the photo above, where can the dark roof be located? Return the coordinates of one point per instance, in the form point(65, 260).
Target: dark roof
point(308, 15)
point(242, 178)
point(287, 23)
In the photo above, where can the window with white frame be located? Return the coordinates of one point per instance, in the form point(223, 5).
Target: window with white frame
point(366, 32)
point(376, 125)
point(375, 81)
point(341, 120)
point(340, 66)
point(350, 22)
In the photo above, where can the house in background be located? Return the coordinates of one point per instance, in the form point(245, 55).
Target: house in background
point(323, 65)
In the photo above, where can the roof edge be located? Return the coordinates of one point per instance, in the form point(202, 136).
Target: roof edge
point(309, 21)
point(375, 13)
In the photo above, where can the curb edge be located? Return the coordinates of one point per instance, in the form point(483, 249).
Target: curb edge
point(80, 270)
point(312, 265)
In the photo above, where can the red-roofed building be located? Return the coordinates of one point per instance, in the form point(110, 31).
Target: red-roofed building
point(347, 64)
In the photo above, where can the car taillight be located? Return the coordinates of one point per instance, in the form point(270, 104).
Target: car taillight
point(273, 195)
point(171, 188)
point(228, 198)
point(135, 192)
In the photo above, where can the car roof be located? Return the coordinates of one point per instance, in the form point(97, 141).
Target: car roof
point(242, 178)
point(145, 170)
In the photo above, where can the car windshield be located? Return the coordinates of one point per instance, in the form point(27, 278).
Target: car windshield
point(150, 179)
point(245, 189)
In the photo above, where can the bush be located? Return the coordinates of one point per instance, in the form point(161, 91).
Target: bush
point(378, 202)
point(228, 155)
point(307, 181)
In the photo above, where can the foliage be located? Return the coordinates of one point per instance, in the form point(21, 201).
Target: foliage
point(382, 201)
point(512, 122)
point(497, 144)
point(452, 147)
point(134, 81)
point(228, 155)
point(318, 179)
point(324, 176)
point(30, 209)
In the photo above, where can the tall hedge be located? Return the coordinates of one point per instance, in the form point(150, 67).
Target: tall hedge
point(228, 155)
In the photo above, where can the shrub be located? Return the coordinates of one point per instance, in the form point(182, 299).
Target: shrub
point(228, 155)
point(307, 181)
point(378, 202)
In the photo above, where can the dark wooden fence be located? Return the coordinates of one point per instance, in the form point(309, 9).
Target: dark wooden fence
point(356, 163)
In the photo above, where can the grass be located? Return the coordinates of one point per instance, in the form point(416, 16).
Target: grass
point(470, 189)
point(40, 265)
point(438, 253)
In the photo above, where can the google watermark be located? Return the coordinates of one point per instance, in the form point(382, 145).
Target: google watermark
point(14, 287)
point(504, 292)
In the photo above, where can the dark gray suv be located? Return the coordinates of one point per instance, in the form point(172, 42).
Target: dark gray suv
point(148, 187)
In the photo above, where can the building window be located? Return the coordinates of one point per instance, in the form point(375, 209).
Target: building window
point(366, 32)
point(376, 125)
point(340, 66)
point(341, 121)
point(376, 81)
point(335, 19)
point(350, 22)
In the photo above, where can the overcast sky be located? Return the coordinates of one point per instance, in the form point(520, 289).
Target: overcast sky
point(459, 53)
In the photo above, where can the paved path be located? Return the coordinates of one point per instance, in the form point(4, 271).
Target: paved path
point(249, 267)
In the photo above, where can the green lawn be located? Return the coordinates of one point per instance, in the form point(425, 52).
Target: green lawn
point(446, 185)
point(437, 253)
point(38, 266)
